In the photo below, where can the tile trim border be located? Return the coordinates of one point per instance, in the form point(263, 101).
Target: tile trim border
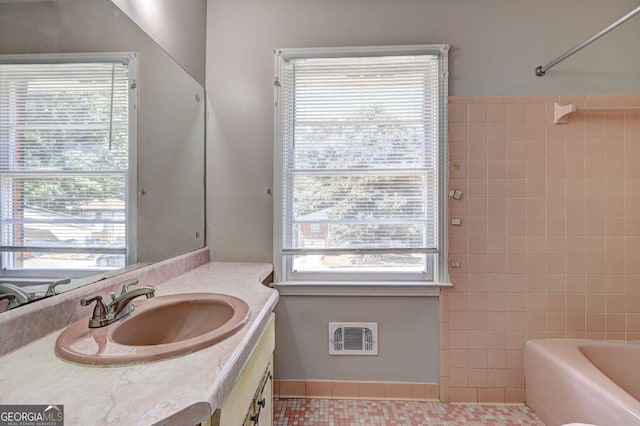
point(344, 389)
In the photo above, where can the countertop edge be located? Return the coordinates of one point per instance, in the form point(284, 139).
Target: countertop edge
point(231, 371)
point(220, 389)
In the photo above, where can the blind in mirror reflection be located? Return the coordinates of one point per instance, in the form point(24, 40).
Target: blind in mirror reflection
point(64, 160)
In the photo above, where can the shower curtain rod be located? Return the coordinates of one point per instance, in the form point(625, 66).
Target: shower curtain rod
point(541, 70)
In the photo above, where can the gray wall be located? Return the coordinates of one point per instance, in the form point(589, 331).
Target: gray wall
point(407, 338)
point(177, 26)
point(170, 120)
point(496, 44)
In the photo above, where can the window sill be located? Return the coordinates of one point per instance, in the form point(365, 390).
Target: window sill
point(398, 288)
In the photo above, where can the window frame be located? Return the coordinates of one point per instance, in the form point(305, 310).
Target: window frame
point(289, 282)
point(130, 59)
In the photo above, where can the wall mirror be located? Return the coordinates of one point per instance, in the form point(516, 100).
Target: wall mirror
point(58, 235)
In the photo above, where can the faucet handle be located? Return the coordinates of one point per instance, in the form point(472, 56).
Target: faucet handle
point(88, 300)
point(51, 289)
point(125, 287)
point(100, 316)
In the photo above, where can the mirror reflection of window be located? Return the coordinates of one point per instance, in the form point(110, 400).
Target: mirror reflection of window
point(64, 161)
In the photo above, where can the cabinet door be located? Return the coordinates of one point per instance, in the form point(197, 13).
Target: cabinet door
point(266, 415)
point(261, 411)
point(262, 404)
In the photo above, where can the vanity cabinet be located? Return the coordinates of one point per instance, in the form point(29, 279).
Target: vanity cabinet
point(250, 401)
point(261, 408)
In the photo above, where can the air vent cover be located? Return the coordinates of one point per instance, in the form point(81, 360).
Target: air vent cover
point(353, 338)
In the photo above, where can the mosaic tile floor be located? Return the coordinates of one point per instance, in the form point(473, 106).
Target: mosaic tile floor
point(337, 412)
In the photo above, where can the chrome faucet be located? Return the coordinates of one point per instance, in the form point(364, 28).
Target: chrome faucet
point(15, 294)
point(119, 307)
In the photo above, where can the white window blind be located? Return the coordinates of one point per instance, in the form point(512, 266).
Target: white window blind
point(362, 149)
point(64, 161)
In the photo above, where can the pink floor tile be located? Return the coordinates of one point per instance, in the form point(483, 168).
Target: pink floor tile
point(334, 412)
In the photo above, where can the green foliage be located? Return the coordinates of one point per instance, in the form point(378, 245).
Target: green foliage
point(378, 203)
point(69, 131)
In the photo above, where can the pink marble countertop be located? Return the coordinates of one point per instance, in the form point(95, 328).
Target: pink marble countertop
point(181, 391)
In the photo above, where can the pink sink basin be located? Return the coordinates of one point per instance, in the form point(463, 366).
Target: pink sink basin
point(161, 327)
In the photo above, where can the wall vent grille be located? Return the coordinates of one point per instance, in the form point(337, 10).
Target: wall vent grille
point(353, 338)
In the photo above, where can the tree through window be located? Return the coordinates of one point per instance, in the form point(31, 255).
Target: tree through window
point(360, 145)
point(64, 163)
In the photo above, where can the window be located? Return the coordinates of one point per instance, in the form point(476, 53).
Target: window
point(66, 135)
point(361, 165)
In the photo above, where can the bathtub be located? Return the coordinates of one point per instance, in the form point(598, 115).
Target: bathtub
point(583, 381)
